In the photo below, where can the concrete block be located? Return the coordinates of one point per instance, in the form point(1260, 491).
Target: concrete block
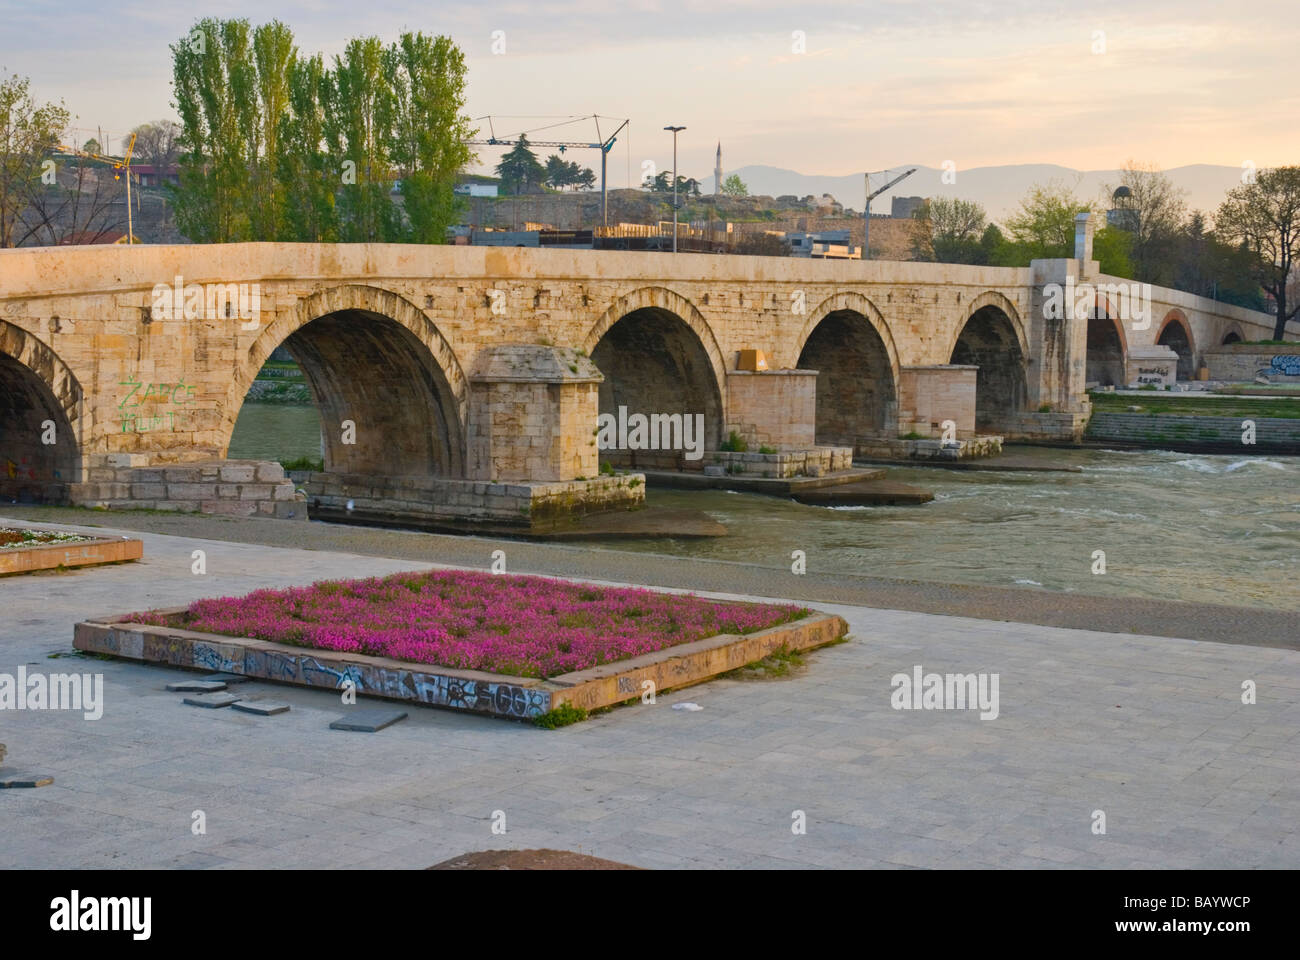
point(238, 473)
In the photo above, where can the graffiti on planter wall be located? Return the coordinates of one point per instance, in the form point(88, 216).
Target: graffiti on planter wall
point(1287, 365)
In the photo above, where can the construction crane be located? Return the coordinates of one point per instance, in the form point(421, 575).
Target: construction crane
point(604, 145)
point(866, 221)
point(120, 164)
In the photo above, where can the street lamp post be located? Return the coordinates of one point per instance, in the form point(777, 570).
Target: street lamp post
point(675, 131)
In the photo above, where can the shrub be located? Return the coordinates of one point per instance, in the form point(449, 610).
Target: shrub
point(735, 443)
point(561, 716)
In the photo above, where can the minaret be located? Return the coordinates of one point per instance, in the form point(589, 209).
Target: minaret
point(717, 172)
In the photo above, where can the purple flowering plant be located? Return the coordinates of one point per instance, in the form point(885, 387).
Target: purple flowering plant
point(517, 625)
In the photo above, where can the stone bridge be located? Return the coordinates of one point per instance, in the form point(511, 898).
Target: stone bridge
point(470, 372)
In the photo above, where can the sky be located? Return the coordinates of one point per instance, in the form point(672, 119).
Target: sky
point(819, 87)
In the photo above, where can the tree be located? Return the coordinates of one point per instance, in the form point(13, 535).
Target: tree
point(1210, 268)
point(273, 54)
point(950, 230)
point(1264, 217)
point(1158, 210)
point(358, 130)
point(1043, 227)
point(307, 174)
point(157, 143)
point(28, 133)
point(86, 202)
point(733, 186)
point(213, 80)
point(427, 75)
point(520, 169)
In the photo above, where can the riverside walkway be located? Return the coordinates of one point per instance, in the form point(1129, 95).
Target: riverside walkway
point(1149, 729)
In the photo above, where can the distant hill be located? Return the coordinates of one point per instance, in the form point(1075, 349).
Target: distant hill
point(999, 189)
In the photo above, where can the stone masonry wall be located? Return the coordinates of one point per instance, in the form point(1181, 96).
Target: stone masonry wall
point(237, 488)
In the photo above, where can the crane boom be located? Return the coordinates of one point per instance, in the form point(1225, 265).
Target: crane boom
point(866, 216)
point(604, 146)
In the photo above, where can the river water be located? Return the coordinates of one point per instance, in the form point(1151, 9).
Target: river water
point(1177, 526)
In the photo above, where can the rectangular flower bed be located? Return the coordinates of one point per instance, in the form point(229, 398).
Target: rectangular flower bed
point(510, 645)
point(24, 550)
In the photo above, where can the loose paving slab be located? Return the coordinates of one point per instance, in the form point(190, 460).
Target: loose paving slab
point(212, 700)
point(368, 719)
point(263, 708)
point(12, 780)
point(230, 679)
point(197, 686)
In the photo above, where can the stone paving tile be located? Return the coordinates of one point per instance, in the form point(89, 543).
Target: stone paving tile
point(1187, 775)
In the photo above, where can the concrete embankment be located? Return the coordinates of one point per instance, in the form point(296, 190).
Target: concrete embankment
point(1193, 433)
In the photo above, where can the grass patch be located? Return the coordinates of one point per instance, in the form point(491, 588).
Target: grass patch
point(1284, 408)
point(781, 662)
point(561, 716)
point(304, 463)
point(734, 443)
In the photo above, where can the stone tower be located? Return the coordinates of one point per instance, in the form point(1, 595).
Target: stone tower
point(717, 172)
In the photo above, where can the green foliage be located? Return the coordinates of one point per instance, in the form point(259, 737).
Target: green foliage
point(950, 230)
point(519, 168)
point(765, 449)
point(561, 716)
point(278, 146)
point(27, 134)
point(734, 443)
point(1263, 219)
point(561, 173)
point(733, 186)
point(303, 463)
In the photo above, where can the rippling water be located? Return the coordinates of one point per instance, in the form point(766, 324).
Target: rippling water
point(1218, 529)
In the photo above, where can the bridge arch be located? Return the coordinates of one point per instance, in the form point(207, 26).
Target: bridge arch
point(1233, 334)
point(847, 341)
point(372, 357)
point(37, 391)
point(659, 355)
point(992, 298)
point(1107, 346)
point(1176, 333)
point(992, 338)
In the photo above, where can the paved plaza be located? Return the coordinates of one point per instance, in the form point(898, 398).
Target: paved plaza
point(1149, 730)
